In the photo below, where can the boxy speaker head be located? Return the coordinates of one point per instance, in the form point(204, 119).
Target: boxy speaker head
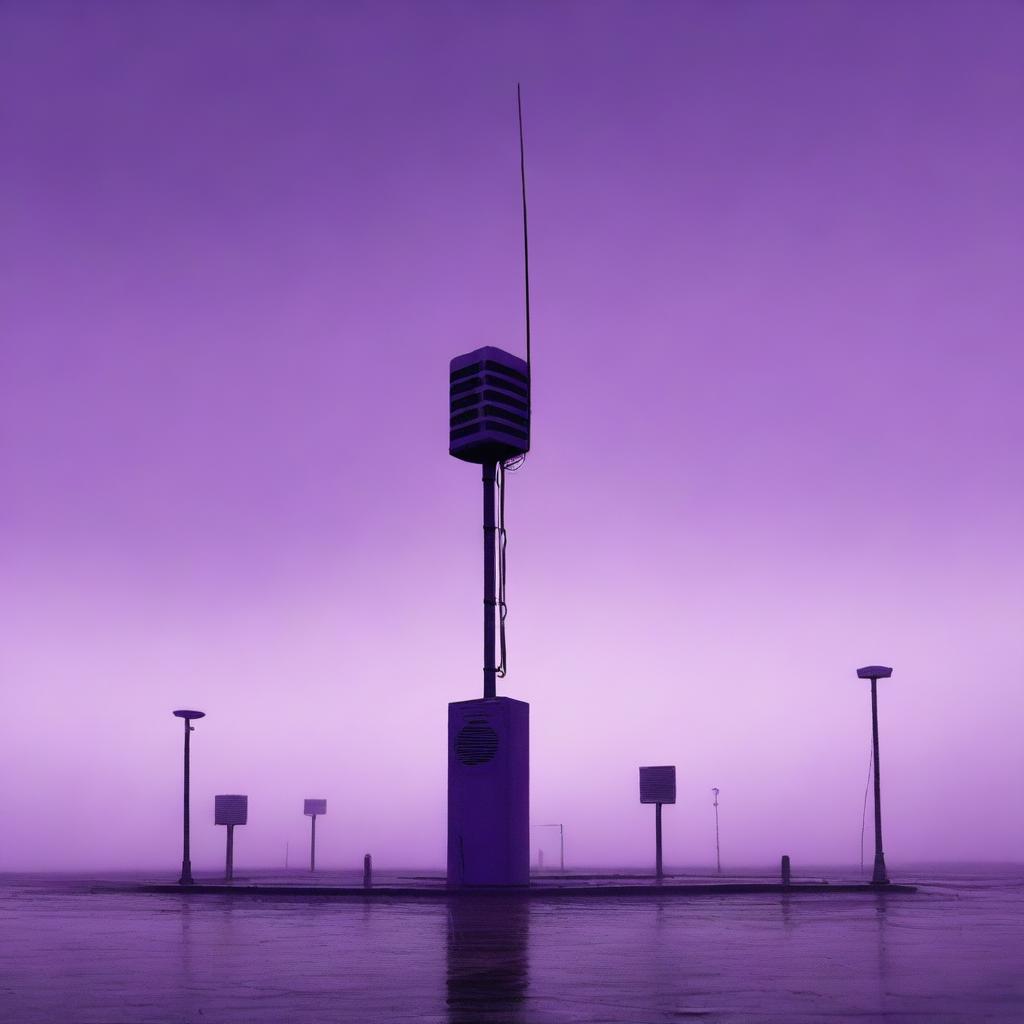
point(230, 809)
point(312, 807)
point(658, 784)
point(489, 406)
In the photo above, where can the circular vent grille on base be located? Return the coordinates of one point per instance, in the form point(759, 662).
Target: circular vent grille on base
point(476, 744)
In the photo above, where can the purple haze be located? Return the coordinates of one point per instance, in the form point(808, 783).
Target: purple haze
point(777, 421)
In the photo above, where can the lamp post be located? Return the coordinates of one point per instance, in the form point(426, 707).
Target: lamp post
point(874, 673)
point(186, 863)
point(561, 841)
point(718, 849)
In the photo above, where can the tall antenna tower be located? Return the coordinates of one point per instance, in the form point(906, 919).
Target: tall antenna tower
point(489, 738)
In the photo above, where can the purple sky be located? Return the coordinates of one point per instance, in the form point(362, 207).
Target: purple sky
point(779, 306)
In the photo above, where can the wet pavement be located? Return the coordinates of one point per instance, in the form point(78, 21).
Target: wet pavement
point(953, 952)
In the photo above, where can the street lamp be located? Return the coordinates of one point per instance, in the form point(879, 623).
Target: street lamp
point(718, 849)
point(874, 673)
point(561, 841)
point(186, 863)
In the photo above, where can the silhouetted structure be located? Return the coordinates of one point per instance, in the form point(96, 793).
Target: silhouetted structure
point(489, 792)
point(658, 786)
point(489, 423)
point(561, 842)
point(489, 739)
point(367, 872)
point(186, 861)
point(874, 673)
point(311, 808)
point(785, 869)
point(230, 809)
point(718, 848)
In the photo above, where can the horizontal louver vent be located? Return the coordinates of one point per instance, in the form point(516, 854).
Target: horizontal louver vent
point(476, 744)
point(489, 406)
point(658, 784)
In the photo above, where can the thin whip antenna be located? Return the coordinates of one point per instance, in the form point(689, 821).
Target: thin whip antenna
point(526, 237)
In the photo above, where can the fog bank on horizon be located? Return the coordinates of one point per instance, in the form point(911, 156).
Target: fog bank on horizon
point(777, 422)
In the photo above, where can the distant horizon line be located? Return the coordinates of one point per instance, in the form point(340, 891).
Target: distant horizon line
point(641, 869)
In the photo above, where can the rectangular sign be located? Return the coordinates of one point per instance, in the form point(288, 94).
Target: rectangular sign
point(658, 784)
point(311, 807)
point(230, 809)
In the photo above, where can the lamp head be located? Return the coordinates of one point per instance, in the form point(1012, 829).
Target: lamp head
point(874, 672)
point(189, 714)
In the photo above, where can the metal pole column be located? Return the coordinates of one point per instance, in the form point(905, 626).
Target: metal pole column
point(878, 876)
point(229, 864)
point(490, 598)
point(312, 843)
point(186, 862)
point(718, 848)
point(561, 846)
point(657, 842)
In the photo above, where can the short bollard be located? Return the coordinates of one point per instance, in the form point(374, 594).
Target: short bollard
point(367, 872)
point(785, 869)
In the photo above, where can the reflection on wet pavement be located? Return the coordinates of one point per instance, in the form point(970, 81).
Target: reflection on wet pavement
point(487, 971)
point(950, 953)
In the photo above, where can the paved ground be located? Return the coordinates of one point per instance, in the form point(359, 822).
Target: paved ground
point(951, 953)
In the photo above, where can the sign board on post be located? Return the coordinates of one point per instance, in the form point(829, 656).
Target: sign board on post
point(658, 784)
point(311, 807)
point(230, 809)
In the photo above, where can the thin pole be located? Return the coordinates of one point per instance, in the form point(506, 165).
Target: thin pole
point(718, 849)
point(490, 600)
point(561, 845)
point(657, 841)
point(526, 234)
point(229, 864)
point(186, 862)
point(878, 877)
point(312, 843)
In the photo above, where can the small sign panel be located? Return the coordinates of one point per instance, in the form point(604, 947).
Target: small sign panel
point(230, 809)
point(312, 807)
point(658, 784)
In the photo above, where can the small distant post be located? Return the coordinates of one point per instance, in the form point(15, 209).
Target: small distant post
point(367, 872)
point(658, 786)
point(186, 860)
point(874, 673)
point(785, 869)
point(230, 809)
point(311, 808)
point(561, 842)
